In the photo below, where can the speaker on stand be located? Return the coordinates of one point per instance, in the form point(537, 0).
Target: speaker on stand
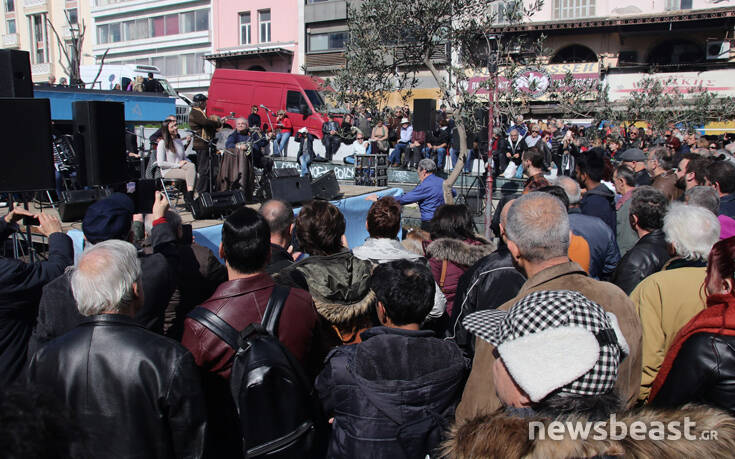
point(15, 74)
point(99, 140)
point(424, 114)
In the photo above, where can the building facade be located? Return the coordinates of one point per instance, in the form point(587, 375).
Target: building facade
point(173, 35)
point(259, 35)
point(29, 25)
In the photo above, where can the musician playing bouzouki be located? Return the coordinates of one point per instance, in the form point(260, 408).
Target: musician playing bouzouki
point(205, 128)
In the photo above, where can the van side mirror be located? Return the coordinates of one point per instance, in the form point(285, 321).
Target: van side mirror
point(304, 109)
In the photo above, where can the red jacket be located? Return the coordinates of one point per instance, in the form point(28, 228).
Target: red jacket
point(285, 125)
point(241, 302)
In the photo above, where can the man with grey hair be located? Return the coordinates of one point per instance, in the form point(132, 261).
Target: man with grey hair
point(668, 299)
point(280, 217)
point(660, 165)
point(538, 234)
point(707, 197)
point(604, 253)
point(132, 390)
point(429, 193)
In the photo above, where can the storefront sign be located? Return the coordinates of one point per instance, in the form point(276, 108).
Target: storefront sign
point(720, 82)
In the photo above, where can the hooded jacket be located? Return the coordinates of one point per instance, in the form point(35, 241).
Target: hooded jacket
point(502, 435)
point(450, 258)
point(396, 382)
point(384, 250)
point(600, 202)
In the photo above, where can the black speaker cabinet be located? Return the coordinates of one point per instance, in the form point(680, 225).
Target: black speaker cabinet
point(424, 114)
point(99, 138)
point(27, 158)
point(212, 205)
point(286, 172)
point(291, 189)
point(74, 204)
point(325, 187)
point(15, 74)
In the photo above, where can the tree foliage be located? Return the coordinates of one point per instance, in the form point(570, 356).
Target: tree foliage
point(391, 44)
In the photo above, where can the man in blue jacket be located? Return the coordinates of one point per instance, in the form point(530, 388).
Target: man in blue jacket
point(429, 193)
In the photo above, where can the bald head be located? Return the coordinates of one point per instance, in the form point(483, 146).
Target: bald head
point(571, 188)
point(279, 215)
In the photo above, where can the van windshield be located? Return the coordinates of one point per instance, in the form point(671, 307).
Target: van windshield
point(316, 99)
point(167, 87)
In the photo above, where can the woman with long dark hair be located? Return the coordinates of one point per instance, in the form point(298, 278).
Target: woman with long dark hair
point(172, 161)
point(700, 366)
point(453, 249)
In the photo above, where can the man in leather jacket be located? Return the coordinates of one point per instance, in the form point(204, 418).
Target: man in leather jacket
point(133, 392)
point(647, 210)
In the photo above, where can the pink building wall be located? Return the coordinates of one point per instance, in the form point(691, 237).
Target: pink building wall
point(284, 31)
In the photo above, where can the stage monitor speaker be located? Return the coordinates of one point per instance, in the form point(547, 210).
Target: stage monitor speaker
point(74, 204)
point(291, 189)
point(326, 187)
point(15, 74)
point(28, 160)
point(286, 172)
point(99, 138)
point(222, 203)
point(424, 114)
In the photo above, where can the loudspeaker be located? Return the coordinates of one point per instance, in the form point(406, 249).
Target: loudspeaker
point(424, 114)
point(99, 138)
point(326, 187)
point(285, 172)
point(15, 74)
point(291, 189)
point(74, 204)
point(28, 159)
point(211, 205)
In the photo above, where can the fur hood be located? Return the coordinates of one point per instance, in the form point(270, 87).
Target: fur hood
point(459, 252)
point(503, 435)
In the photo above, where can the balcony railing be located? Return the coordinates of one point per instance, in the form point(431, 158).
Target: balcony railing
point(34, 3)
point(41, 69)
point(10, 40)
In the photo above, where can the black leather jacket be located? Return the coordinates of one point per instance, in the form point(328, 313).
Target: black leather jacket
point(647, 256)
point(703, 372)
point(134, 393)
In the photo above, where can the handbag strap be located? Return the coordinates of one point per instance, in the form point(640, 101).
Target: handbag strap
point(216, 325)
point(273, 310)
point(227, 332)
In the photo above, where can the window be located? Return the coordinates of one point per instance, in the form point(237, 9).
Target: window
point(202, 20)
point(264, 21)
point(71, 13)
point(245, 28)
point(39, 44)
point(11, 25)
point(316, 99)
point(186, 22)
point(172, 24)
point(574, 9)
point(115, 32)
point(672, 5)
point(294, 100)
point(9, 6)
point(159, 27)
point(327, 41)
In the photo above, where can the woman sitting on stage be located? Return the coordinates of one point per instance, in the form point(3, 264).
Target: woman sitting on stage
point(172, 161)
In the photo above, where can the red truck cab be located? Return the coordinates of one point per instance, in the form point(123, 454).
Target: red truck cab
point(301, 96)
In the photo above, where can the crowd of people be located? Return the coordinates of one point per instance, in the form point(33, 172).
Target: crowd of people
point(607, 290)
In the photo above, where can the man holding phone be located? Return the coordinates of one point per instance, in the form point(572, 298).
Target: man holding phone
point(20, 288)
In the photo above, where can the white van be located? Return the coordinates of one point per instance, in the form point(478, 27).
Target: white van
point(124, 74)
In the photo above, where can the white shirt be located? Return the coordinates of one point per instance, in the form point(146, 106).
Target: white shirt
point(168, 159)
point(360, 149)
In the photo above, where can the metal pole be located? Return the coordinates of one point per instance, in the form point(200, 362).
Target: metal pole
point(490, 125)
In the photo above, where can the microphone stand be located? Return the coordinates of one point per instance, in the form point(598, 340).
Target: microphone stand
point(270, 122)
point(212, 147)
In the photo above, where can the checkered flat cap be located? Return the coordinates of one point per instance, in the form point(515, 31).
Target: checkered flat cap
point(560, 337)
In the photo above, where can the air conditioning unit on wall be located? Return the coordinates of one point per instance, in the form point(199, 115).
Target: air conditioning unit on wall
point(718, 50)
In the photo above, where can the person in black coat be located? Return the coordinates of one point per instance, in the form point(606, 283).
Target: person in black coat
point(511, 150)
point(400, 385)
point(650, 254)
point(20, 289)
point(133, 392)
point(487, 284)
point(599, 200)
point(111, 218)
point(280, 217)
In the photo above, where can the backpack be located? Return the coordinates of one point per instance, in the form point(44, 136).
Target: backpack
point(280, 413)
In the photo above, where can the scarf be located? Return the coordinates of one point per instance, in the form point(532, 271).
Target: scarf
point(718, 317)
